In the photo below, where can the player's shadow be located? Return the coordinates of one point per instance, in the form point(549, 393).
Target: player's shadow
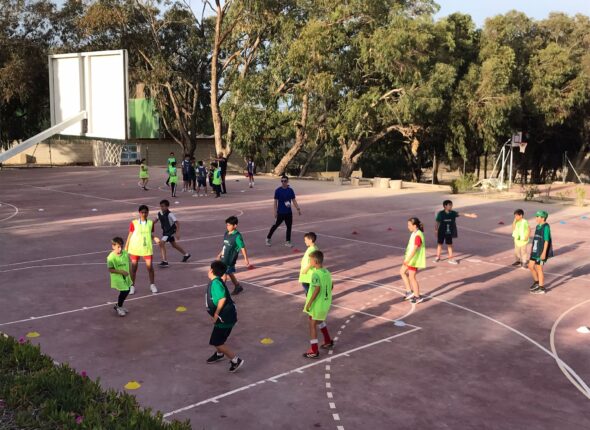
point(568, 248)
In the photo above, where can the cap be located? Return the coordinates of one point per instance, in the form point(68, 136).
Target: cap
point(542, 214)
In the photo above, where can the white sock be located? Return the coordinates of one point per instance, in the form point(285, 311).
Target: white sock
point(235, 359)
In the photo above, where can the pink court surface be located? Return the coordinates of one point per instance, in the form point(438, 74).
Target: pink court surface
point(481, 352)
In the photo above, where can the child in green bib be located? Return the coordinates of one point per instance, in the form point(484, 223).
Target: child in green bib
point(173, 177)
point(171, 159)
point(143, 174)
point(541, 251)
point(306, 269)
point(317, 304)
point(520, 233)
point(118, 265)
point(414, 259)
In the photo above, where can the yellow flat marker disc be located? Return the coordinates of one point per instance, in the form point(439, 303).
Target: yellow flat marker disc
point(132, 385)
point(33, 334)
point(266, 341)
point(181, 309)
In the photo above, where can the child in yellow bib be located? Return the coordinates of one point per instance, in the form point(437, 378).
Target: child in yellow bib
point(139, 244)
point(143, 174)
point(306, 269)
point(118, 265)
point(520, 233)
point(317, 304)
point(414, 259)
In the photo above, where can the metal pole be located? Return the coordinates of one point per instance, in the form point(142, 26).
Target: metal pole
point(433, 166)
point(511, 161)
point(502, 154)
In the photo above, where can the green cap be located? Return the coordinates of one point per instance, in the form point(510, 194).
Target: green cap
point(542, 214)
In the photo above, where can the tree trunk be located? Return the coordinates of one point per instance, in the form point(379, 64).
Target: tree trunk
point(311, 157)
point(300, 136)
point(435, 166)
point(485, 165)
point(215, 111)
point(350, 158)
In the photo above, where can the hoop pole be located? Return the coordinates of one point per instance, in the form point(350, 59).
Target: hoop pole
point(574, 169)
point(511, 161)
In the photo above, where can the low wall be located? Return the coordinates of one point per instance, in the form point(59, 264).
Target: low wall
point(56, 152)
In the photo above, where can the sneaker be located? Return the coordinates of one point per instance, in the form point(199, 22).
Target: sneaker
point(186, 257)
point(540, 290)
point(436, 260)
point(120, 311)
point(288, 244)
point(235, 366)
point(408, 295)
point(237, 290)
point(310, 354)
point(453, 261)
point(268, 242)
point(164, 264)
point(517, 263)
point(132, 290)
point(534, 287)
point(328, 345)
point(153, 289)
point(416, 300)
point(524, 266)
point(125, 310)
point(250, 186)
point(215, 358)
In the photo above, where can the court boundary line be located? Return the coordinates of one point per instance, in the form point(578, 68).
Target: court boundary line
point(16, 212)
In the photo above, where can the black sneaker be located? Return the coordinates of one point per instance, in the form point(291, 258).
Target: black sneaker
point(540, 290)
point(237, 290)
point(516, 263)
point(186, 257)
point(329, 345)
point(235, 366)
point(164, 264)
point(417, 300)
point(534, 287)
point(215, 358)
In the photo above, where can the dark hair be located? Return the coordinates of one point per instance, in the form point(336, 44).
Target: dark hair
point(118, 240)
point(233, 220)
point(317, 256)
point(415, 221)
point(186, 156)
point(519, 212)
point(311, 235)
point(447, 202)
point(219, 268)
point(142, 160)
point(173, 164)
point(165, 202)
point(193, 158)
point(284, 177)
point(171, 153)
point(200, 162)
point(143, 208)
point(214, 164)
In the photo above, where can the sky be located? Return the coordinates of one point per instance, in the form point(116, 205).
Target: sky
point(538, 9)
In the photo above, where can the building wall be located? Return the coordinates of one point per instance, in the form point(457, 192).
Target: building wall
point(59, 152)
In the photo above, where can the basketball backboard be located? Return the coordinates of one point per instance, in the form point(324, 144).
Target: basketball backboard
point(94, 82)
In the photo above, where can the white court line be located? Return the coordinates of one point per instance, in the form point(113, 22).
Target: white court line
point(11, 215)
point(289, 372)
point(85, 308)
point(573, 378)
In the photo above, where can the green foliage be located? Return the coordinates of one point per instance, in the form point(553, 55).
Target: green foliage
point(580, 196)
point(463, 184)
point(530, 192)
point(44, 396)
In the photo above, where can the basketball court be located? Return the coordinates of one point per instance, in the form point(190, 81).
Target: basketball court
point(481, 352)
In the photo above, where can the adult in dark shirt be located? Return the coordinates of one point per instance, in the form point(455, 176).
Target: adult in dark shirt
point(284, 199)
point(222, 162)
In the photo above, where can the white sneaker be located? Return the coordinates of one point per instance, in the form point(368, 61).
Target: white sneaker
point(120, 311)
point(436, 260)
point(124, 310)
point(268, 242)
point(453, 261)
point(288, 244)
point(153, 289)
point(132, 290)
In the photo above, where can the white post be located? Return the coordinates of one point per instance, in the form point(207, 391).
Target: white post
point(502, 154)
point(511, 161)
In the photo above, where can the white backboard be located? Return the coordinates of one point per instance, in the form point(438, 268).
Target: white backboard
point(95, 82)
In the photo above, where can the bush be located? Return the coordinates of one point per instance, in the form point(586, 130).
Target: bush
point(463, 184)
point(580, 196)
point(41, 395)
point(530, 192)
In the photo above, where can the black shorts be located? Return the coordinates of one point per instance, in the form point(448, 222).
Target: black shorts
point(444, 238)
point(201, 182)
point(170, 239)
point(186, 177)
point(219, 336)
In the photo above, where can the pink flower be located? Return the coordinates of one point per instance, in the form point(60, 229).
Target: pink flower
point(83, 374)
point(79, 419)
point(22, 340)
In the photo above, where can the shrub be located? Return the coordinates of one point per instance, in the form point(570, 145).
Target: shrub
point(41, 395)
point(580, 196)
point(463, 184)
point(530, 192)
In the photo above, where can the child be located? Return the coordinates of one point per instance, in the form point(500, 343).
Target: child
point(306, 269)
point(170, 229)
point(139, 244)
point(414, 259)
point(520, 233)
point(232, 244)
point(216, 180)
point(171, 159)
point(223, 311)
point(193, 175)
point(541, 251)
point(250, 167)
point(201, 178)
point(186, 173)
point(446, 229)
point(173, 178)
point(118, 265)
point(317, 304)
point(143, 174)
